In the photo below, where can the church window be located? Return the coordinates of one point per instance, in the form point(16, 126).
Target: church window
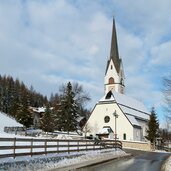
point(111, 67)
point(124, 136)
point(106, 119)
point(111, 80)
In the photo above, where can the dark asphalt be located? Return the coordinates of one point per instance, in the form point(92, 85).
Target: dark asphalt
point(140, 161)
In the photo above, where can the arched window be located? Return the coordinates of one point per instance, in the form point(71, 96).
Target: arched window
point(111, 80)
point(124, 136)
point(111, 67)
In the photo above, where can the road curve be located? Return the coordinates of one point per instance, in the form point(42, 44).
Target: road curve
point(141, 161)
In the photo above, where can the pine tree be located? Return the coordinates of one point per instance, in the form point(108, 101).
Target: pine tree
point(153, 127)
point(81, 97)
point(47, 121)
point(68, 111)
point(24, 116)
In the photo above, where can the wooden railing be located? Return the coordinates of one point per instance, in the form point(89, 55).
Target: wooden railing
point(14, 147)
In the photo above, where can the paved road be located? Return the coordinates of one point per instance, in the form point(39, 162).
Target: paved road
point(141, 161)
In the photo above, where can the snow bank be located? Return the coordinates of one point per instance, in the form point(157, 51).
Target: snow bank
point(168, 164)
point(54, 161)
point(7, 121)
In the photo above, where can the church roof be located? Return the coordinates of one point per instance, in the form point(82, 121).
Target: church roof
point(128, 105)
point(114, 54)
point(133, 120)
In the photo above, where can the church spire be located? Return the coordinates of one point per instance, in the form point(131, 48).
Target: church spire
point(114, 76)
point(114, 54)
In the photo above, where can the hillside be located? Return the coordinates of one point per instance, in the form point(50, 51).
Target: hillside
point(7, 121)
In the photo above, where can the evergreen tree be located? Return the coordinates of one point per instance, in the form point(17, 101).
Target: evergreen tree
point(47, 121)
point(24, 116)
point(153, 127)
point(68, 111)
point(13, 97)
point(81, 97)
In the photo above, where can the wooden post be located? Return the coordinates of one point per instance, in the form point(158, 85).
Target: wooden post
point(14, 146)
point(68, 147)
point(45, 146)
point(31, 147)
point(86, 145)
point(57, 146)
point(94, 146)
point(78, 145)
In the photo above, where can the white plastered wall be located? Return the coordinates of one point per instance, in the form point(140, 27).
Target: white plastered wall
point(144, 126)
point(96, 120)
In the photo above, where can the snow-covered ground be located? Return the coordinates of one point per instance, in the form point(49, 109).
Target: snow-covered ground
point(7, 121)
point(54, 161)
point(168, 164)
point(51, 161)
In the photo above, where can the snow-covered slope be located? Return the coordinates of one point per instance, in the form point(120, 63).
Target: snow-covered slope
point(7, 121)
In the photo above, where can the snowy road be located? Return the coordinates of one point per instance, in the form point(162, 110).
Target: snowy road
point(148, 161)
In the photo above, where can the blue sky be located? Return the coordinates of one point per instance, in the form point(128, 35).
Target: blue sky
point(47, 43)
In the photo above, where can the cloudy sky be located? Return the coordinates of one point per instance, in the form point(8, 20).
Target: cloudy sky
point(46, 43)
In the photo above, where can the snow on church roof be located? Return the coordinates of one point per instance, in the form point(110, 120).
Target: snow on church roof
point(134, 112)
point(132, 120)
point(128, 105)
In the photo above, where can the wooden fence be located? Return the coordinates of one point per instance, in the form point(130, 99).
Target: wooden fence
point(14, 147)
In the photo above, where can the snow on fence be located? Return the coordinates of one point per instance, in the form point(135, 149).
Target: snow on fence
point(14, 147)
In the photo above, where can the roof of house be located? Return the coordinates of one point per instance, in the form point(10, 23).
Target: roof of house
point(128, 105)
point(105, 130)
point(39, 109)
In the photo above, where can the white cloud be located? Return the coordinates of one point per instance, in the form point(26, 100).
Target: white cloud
point(161, 54)
point(46, 43)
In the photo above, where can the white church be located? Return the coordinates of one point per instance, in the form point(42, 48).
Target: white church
point(116, 115)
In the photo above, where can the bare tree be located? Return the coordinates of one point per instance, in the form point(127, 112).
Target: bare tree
point(87, 129)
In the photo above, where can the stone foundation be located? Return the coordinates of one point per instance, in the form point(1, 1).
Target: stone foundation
point(145, 146)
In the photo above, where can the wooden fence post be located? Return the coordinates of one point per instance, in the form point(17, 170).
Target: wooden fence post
point(57, 146)
point(68, 147)
point(14, 146)
point(31, 147)
point(86, 145)
point(45, 146)
point(78, 145)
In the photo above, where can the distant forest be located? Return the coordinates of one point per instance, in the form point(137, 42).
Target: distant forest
point(16, 98)
point(14, 93)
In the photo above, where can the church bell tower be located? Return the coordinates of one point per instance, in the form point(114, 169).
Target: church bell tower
point(114, 75)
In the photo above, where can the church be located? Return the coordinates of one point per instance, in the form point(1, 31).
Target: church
point(116, 115)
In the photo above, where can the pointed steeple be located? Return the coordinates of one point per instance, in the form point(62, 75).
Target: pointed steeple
point(114, 54)
point(114, 75)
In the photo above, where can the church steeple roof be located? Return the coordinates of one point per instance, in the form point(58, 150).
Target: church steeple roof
point(114, 54)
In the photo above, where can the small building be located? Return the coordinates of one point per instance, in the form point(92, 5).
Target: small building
point(124, 116)
point(37, 115)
